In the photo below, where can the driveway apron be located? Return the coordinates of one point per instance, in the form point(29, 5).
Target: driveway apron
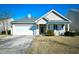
point(15, 44)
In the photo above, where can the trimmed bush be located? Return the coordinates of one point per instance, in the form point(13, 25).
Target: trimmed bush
point(50, 33)
point(4, 32)
point(9, 32)
point(67, 33)
point(77, 33)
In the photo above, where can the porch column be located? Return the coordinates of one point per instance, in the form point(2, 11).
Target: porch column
point(38, 29)
point(68, 27)
point(47, 27)
point(64, 28)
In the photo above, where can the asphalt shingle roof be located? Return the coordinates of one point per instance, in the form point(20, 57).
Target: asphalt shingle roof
point(58, 22)
point(24, 20)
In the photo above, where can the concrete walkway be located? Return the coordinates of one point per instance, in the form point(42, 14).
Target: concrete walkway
point(15, 44)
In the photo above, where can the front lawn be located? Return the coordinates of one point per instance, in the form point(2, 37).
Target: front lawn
point(54, 44)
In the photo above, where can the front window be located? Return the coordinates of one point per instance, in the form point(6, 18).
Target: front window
point(62, 26)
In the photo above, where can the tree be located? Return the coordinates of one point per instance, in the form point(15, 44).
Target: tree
point(4, 16)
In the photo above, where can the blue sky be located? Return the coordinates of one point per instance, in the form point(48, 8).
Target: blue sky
point(36, 10)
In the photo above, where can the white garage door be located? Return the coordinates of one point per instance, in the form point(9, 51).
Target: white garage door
point(22, 29)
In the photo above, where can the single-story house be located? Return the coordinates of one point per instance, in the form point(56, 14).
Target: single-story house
point(52, 20)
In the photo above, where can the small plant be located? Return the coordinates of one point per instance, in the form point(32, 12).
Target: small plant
point(8, 32)
point(77, 33)
point(3, 32)
point(68, 33)
point(50, 33)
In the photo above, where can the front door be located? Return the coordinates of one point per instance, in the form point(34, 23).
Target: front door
point(42, 29)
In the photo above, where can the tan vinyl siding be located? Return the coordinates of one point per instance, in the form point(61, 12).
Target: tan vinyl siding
point(52, 16)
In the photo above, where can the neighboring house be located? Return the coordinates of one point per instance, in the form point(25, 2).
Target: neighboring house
point(5, 24)
point(50, 21)
point(73, 15)
point(1, 26)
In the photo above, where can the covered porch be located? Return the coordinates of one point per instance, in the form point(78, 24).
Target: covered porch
point(58, 29)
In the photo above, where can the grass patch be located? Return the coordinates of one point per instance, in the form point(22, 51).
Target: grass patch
point(54, 44)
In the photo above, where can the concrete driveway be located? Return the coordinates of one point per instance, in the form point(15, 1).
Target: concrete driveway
point(15, 44)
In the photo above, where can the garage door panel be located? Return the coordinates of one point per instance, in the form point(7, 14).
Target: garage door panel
point(22, 30)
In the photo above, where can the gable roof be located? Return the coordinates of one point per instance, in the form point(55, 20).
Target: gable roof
point(24, 21)
point(34, 20)
point(52, 21)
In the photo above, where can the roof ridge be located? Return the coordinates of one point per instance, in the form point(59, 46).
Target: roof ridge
point(53, 10)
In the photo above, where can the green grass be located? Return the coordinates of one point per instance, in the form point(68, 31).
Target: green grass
point(54, 44)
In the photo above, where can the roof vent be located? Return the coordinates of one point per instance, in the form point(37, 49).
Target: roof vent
point(29, 15)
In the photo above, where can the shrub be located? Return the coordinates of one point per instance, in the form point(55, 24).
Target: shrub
point(77, 33)
point(4, 32)
point(50, 33)
point(9, 32)
point(67, 33)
